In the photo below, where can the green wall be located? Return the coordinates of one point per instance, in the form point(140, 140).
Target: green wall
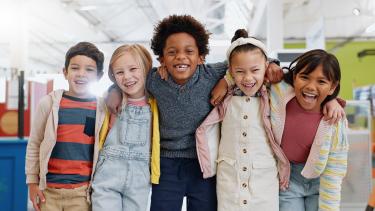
point(354, 71)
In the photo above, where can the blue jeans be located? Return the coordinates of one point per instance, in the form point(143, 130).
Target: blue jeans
point(302, 194)
point(183, 177)
point(122, 176)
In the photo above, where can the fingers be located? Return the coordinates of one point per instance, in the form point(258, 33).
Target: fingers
point(36, 199)
point(283, 184)
point(35, 204)
point(41, 196)
point(325, 112)
point(274, 73)
point(215, 100)
point(333, 116)
point(162, 70)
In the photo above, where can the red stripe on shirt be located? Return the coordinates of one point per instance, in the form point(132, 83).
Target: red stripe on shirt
point(59, 166)
point(66, 186)
point(73, 133)
point(68, 103)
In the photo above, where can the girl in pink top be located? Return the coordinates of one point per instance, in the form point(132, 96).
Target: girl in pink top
point(316, 150)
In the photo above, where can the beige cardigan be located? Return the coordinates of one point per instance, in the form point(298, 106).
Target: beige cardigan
point(43, 137)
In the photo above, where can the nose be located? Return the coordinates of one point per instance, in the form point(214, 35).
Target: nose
point(310, 86)
point(248, 76)
point(81, 72)
point(180, 55)
point(127, 75)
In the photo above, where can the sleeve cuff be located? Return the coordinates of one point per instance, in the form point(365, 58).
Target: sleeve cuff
point(32, 179)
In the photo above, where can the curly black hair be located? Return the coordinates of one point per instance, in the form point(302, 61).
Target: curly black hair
point(176, 24)
point(86, 49)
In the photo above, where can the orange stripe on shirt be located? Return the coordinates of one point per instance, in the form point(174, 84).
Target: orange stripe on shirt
point(66, 186)
point(67, 103)
point(59, 166)
point(73, 133)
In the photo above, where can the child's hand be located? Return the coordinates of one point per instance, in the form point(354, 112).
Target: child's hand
point(218, 92)
point(284, 184)
point(333, 112)
point(36, 196)
point(162, 70)
point(274, 73)
point(113, 101)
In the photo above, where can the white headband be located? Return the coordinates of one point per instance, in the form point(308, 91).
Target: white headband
point(243, 41)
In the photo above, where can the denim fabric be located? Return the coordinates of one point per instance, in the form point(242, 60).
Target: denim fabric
point(302, 194)
point(122, 177)
point(182, 177)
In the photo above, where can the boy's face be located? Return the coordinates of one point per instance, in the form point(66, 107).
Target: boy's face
point(129, 76)
point(81, 72)
point(312, 89)
point(248, 69)
point(181, 57)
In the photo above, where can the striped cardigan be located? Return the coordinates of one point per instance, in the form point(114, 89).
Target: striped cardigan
point(328, 154)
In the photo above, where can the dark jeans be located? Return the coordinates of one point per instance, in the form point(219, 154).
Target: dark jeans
point(183, 177)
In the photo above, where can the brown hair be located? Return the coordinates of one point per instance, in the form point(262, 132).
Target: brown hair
point(86, 49)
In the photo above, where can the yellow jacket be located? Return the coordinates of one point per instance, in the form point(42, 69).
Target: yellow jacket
point(155, 140)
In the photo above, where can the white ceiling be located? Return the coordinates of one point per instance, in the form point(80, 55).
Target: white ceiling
point(52, 26)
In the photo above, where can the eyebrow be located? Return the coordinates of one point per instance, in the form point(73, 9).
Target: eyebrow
point(252, 67)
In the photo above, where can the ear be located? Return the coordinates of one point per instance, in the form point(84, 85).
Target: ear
point(65, 72)
point(267, 64)
point(201, 59)
point(333, 88)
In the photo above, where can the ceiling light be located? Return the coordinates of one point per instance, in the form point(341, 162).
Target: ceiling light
point(356, 11)
point(370, 28)
point(88, 8)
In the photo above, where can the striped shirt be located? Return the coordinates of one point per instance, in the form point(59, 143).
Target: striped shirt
point(70, 164)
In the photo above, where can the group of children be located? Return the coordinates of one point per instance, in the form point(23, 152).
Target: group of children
point(261, 148)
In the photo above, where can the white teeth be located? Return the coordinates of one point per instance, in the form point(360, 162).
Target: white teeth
point(249, 85)
point(309, 94)
point(130, 83)
point(80, 82)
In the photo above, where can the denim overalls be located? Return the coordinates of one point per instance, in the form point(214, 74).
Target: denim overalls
point(122, 177)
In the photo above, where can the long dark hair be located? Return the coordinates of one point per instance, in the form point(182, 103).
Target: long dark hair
point(309, 61)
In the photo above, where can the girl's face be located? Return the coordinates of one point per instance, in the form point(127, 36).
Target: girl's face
point(129, 76)
point(311, 89)
point(248, 69)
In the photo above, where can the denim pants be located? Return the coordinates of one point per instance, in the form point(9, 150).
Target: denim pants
point(183, 177)
point(302, 194)
point(122, 177)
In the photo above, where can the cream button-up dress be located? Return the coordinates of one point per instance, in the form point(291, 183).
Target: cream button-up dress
point(247, 177)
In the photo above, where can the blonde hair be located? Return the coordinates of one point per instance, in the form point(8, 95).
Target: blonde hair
point(140, 54)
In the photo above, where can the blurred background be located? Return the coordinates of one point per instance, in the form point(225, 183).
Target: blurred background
point(35, 35)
